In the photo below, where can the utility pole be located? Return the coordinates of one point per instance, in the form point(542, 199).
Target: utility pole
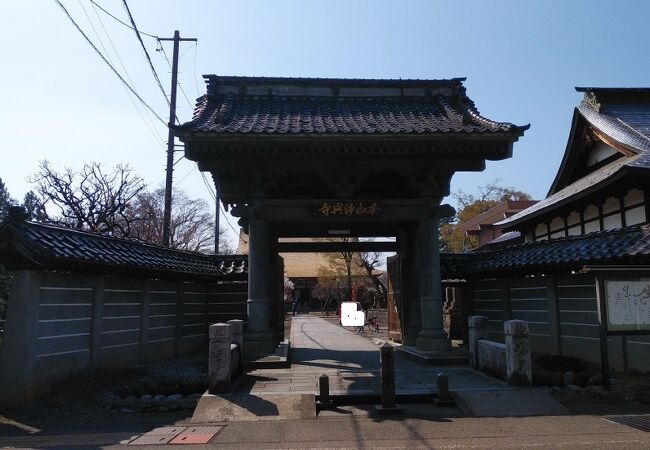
point(216, 223)
point(167, 214)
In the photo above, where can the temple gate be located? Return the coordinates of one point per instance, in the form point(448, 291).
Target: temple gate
point(298, 157)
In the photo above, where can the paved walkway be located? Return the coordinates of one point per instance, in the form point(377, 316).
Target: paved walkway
point(352, 363)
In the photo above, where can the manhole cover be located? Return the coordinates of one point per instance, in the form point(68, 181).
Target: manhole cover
point(158, 436)
point(196, 435)
point(639, 422)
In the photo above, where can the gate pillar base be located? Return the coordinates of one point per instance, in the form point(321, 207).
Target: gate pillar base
point(259, 343)
point(432, 341)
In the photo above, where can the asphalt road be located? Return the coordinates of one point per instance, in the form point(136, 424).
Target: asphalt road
point(353, 429)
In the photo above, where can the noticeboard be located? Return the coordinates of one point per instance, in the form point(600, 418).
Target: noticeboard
point(627, 305)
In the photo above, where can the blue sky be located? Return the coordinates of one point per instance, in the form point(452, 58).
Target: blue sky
point(521, 59)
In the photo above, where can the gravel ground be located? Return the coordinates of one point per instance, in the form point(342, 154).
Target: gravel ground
point(79, 399)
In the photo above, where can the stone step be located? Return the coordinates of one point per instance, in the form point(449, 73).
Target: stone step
point(453, 357)
point(278, 360)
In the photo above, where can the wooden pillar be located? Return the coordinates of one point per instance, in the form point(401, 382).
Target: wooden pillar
point(96, 322)
point(178, 332)
point(144, 320)
point(410, 299)
point(505, 299)
point(553, 314)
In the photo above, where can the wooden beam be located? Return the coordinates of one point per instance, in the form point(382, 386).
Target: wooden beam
point(331, 247)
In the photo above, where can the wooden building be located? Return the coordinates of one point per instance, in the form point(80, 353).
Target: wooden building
point(592, 227)
point(482, 226)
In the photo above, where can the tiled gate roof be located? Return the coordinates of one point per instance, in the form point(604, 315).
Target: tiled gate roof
point(323, 106)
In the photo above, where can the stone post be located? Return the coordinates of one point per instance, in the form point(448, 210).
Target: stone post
point(387, 362)
point(519, 370)
point(219, 358)
point(259, 337)
point(237, 337)
point(432, 336)
point(324, 400)
point(444, 396)
point(387, 375)
point(477, 330)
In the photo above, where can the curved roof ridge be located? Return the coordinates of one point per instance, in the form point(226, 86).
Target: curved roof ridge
point(615, 128)
point(473, 111)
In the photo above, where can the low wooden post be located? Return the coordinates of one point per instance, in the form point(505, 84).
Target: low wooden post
point(602, 327)
point(219, 358)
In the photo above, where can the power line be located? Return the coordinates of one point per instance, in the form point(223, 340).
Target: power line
point(118, 20)
point(146, 54)
point(225, 215)
point(147, 122)
point(108, 63)
point(196, 47)
point(162, 50)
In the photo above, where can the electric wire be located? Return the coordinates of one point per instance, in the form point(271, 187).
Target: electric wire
point(146, 54)
point(225, 214)
point(162, 50)
point(178, 160)
point(108, 63)
point(196, 47)
point(118, 20)
point(191, 171)
point(147, 121)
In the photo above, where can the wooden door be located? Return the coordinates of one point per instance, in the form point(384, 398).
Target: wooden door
point(394, 299)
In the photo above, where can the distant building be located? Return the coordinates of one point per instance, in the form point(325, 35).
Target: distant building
point(483, 227)
point(305, 269)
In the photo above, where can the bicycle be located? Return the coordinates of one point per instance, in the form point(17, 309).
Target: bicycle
point(372, 323)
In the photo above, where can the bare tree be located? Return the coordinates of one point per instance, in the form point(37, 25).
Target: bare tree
point(340, 264)
point(192, 224)
point(89, 199)
point(370, 261)
point(117, 204)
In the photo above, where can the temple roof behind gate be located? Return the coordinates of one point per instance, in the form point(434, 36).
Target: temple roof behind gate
point(283, 107)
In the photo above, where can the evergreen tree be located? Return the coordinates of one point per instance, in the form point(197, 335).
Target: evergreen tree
point(5, 277)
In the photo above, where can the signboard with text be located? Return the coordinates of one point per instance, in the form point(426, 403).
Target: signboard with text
point(627, 305)
point(347, 208)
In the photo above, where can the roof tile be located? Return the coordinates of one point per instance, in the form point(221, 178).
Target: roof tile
point(623, 246)
point(54, 247)
point(289, 114)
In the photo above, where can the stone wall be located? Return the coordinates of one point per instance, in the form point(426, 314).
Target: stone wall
point(60, 324)
point(491, 357)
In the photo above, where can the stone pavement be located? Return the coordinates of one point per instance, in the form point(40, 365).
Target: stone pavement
point(352, 363)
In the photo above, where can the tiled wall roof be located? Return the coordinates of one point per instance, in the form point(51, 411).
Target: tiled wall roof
point(35, 245)
point(623, 246)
